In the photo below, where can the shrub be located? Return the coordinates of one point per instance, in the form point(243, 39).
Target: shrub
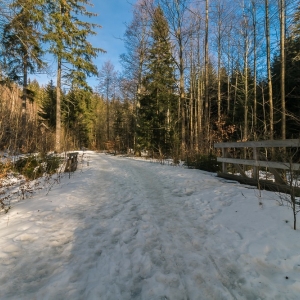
point(204, 162)
point(51, 163)
point(33, 167)
point(5, 168)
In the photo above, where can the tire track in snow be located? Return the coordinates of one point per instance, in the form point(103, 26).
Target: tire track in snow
point(176, 229)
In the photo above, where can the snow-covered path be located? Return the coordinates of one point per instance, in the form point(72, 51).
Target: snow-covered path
point(127, 229)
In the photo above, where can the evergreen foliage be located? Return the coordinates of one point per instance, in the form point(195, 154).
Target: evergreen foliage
point(295, 33)
point(21, 40)
point(292, 87)
point(207, 163)
point(48, 104)
point(66, 33)
point(158, 102)
point(292, 80)
point(22, 50)
point(78, 115)
point(164, 103)
point(33, 167)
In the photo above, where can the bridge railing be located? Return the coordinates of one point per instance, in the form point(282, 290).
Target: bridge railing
point(257, 159)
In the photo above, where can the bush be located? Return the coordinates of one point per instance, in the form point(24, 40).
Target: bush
point(33, 167)
point(204, 162)
point(51, 164)
point(5, 168)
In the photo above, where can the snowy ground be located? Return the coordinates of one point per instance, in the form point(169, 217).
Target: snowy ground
point(127, 229)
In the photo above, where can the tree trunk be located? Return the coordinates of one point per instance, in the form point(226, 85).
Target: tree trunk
point(192, 87)
point(246, 108)
point(282, 71)
point(24, 102)
point(206, 103)
point(58, 108)
point(182, 96)
point(198, 109)
point(269, 69)
point(219, 63)
point(107, 110)
point(254, 70)
point(264, 109)
point(235, 95)
point(228, 76)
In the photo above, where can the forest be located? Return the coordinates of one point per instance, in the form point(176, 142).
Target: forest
point(194, 73)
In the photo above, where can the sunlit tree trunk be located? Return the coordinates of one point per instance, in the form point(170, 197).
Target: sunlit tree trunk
point(254, 24)
point(24, 96)
point(199, 106)
point(58, 108)
point(282, 70)
point(219, 38)
point(192, 87)
point(268, 52)
point(206, 62)
point(246, 108)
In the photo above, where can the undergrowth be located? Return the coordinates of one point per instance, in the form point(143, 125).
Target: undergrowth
point(21, 178)
point(33, 166)
point(203, 162)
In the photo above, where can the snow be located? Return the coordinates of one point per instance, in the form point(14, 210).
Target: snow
point(130, 229)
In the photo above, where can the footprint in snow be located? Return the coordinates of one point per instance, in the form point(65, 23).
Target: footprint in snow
point(189, 192)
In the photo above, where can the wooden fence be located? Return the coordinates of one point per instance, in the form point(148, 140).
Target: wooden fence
point(258, 161)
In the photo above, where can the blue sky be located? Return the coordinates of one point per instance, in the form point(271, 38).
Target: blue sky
point(112, 16)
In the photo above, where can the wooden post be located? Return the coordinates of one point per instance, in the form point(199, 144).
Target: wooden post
point(255, 168)
point(224, 164)
point(71, 165)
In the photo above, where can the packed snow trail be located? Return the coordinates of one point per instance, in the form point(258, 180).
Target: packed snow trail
point(128, 229)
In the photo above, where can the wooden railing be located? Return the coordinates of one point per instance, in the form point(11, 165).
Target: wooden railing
point(257, 161)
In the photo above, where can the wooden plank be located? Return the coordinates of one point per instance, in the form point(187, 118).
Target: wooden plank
point(244, 180)
point(255, 169)
point(240, 170)
point(238, 167)
point(72, 154)
point(262, 144)
point(277, 176)
point(260, 163)
point(264, 184)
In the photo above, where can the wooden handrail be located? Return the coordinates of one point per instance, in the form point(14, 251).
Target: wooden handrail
point(262, 144)
point(260, 163)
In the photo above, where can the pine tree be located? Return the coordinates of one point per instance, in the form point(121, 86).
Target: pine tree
point(48, 104)
point(67, 35)
point(21, 45)
point(157, 105)
point(78, 115)
point(295, 33)
point(292, 76)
